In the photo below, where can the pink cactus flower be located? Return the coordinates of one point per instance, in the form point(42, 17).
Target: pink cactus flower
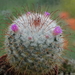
point(14, 28)
point(57, 30)
point(46, 13)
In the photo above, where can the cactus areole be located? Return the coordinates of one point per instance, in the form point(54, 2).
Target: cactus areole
point(34, 43)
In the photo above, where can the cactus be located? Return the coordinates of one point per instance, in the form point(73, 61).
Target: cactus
point(34, 43)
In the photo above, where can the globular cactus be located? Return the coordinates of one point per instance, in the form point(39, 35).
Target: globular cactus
point(34, 43)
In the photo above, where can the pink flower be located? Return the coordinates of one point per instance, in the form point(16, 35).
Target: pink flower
point(14, 28)
point(57, 30)
point(47, 36)
point(29, 38)
point(46, 13)
point(28, 13)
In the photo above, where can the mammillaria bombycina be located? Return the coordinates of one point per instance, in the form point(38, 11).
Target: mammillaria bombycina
point(34, 43)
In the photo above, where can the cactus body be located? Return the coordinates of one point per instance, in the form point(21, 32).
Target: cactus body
point(33, 43)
